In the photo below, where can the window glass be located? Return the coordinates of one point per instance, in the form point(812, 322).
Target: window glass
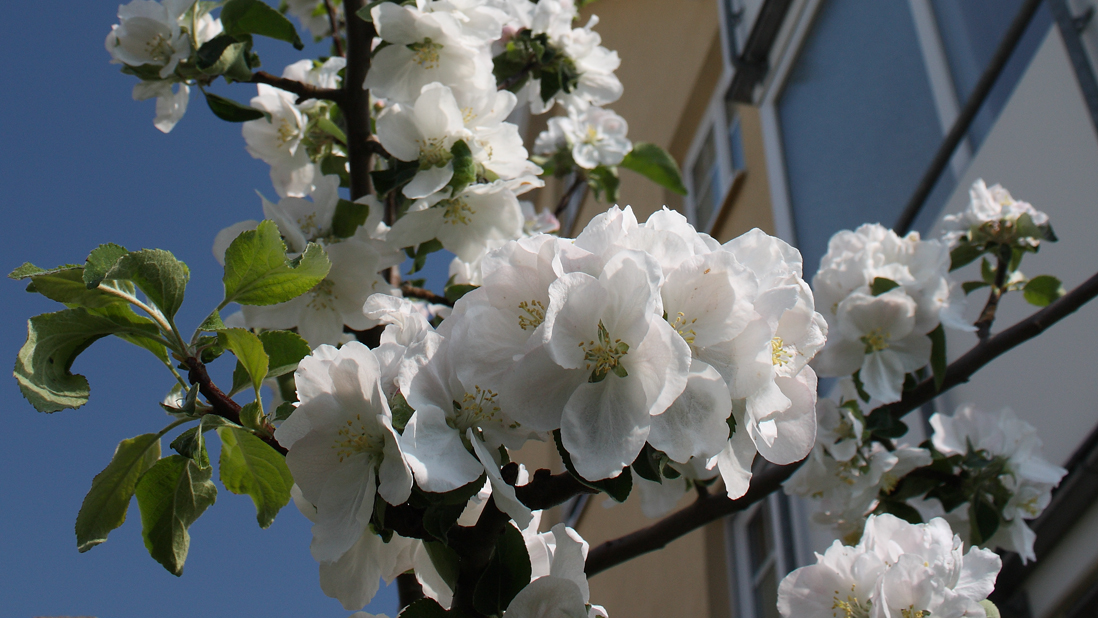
point(858, 123)
point(707, 182)
point(735, 137)
point(766, 595)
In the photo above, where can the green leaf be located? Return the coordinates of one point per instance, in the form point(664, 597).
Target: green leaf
point(348, 217)
point(445, 561)
point(105, 506)
point(172, 495)
point(1043, 290)
point(881, 285)
point(284, 350)
point(987, 271)
point(402, 412)
point(258, 273)
point(424, 608)
point(902, 510)
point(158, 274)
point(231, 111)
point(397, 175)
point(251, 467)
point(67, 286)
point(963, 255)
point(54, 340)
point(604, 179)
point(507, 573)
point(971, 286)
point(984, 519)
point(455, 292)
point(938, 361)
point(990, 609)
point(655, 164)
point(647, 464)
point(439, 518)
point(226, 55)
point(251, 415)
point(248, 350)
point(421, 253)
point(465, 169)
point(618, 488)
point(212, 323)
point(192, 445)
point(100, 260)
point(258, 17)
point(283, 411)
point(331, 128)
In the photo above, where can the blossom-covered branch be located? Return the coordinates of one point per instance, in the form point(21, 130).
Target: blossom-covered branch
point(303, 91)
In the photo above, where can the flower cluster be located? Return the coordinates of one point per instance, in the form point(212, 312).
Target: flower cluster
point(881, 295)
point(898, 569)
point(994, 217)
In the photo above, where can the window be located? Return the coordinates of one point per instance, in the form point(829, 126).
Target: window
point(860, 99)
point(762, 554)
point(714, 162)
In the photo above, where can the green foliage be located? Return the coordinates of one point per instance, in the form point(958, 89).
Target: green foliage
point(348, 217)
point(284, 350)
point(655, 164)
point(105, 506)
point(212, 323)
point(604, 180)
point(157, 273)
point(990, 609)
point(66, 285)
point(402, 412)
point(881, 285)
point(171, 496)
point(231, 111)
point(331, 128)
point(396, 176)
point(507, 573)
point(618, 488)
point(454, 292)
point(258, 273)
point(54, 340)
point(249, 352)
point(963, 255)
point(192, 445)
point(226, 55)
point(445, 561)
point(419, 256)
point(647, 464)
point(251, 467)
point(984, 520)
point(465, 169)
point(971, 286)
point(938, 360)
point(100, 260)
point(257, 17)
point(1043, 290)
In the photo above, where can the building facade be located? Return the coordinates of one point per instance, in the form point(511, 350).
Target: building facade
point(804, 117)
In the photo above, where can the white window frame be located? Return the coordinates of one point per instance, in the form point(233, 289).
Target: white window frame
point(787, 48)
point(741, 579)
point(715, 122)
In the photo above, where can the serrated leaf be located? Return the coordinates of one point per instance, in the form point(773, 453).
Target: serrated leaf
point(507, 573)
point(258, 17)
point(54, 340)
point(963, 254)
point(251, 415)
point(100, 260)
point(655, 164)
point(225, 55)
point(231, 111)
point(171, 496)
point(348, 217)
point(258, 273)
point(938, 361)
point(881, 285)
point(248, 349)
point(157, 273)
point(192, 445)
point(283, 411)
point(1043, 290)
point(104, 507)
point(284, 350)
point(212, 323)
point(251, 467)
point(67, 286)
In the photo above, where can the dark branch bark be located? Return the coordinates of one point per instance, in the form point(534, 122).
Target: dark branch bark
point(221, 403)
point(333, 23)
point(562, 205)
point(987, 315)
point(356, 105)
point(304, 92)
point(706, 509)
point(408, 589)
point(426, 295)
point(960, 370)
point(546, 490)
point(710, 508)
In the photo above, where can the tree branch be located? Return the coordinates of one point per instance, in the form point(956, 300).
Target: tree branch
point(960, 370)
point(356, 106)
point(546, 490)
point(304, 92)
point(710, 508)
point(987, 315)
point(579, 182)
point(222, 404)
point(333, 23)
point(704, 510)
point(424, 294)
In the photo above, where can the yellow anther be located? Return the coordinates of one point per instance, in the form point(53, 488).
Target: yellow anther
point(535, 315)
point(427, 53)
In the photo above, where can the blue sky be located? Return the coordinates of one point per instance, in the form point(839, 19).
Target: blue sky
point(82, 165)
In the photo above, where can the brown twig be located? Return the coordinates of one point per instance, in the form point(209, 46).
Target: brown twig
point(356, 100)
point(580, 180)
point(304, 92)
point(333, 22)
point(221, 404)
point(715, 506)
point(424, 294)
point(987, 315)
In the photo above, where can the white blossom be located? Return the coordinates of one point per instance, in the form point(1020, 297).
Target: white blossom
point(595, 137)
point(992, 214)
point(149, 33)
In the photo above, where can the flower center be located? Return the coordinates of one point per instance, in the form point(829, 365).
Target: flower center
point(604, 356)
point(592, 136)
point(287, 131)
point(780, 354)
point(475, 407)
point(875, 341)
point(851, 607)
point(535, 314)
point(356, 438)
point(308, 225)
point(159, 48)
point(457, 211)
point(681, 326)
point(911, 612)
point(323, 296)
point(427, 53)
point(432, 152)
